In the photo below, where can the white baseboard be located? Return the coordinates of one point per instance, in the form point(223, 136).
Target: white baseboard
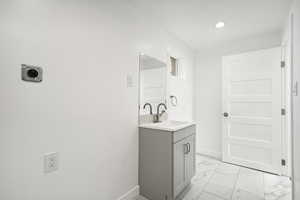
point(131, 194)
point(207, 152)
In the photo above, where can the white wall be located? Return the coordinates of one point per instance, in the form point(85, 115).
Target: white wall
point(83, 108)
point(208, 97)
point(208, 104)
point(183, 88)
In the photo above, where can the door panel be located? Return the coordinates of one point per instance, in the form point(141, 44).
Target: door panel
point(252, 97)
point(190, 159)
point(254, 87)
point(180, 149)
point(261, 131)
point(250, 109)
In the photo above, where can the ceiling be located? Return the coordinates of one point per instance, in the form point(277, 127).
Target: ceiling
point(193, 21)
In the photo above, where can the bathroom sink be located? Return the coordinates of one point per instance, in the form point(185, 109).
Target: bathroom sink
point(170, 125)
point(173, 123)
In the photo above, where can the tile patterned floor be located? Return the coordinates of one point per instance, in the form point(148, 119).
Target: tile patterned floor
point(216, 180)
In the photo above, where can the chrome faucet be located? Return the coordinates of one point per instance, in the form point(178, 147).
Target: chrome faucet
point(148, 104)
point(156, 118)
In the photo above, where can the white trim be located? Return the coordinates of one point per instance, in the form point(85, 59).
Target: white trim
point(285, 131)
point(131, 194)
point(295, 190)
point(210, 153)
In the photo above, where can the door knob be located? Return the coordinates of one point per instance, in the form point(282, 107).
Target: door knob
point(225, 114)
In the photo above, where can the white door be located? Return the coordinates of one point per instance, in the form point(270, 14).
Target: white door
point(252, 110)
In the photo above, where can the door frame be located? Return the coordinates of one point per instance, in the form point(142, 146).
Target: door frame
point(286, 85)
point(291, 71)
point(287, 134)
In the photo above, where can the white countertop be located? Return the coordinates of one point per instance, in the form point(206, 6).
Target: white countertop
point(167, 125)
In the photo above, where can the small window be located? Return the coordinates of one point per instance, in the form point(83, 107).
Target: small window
point(174, 66)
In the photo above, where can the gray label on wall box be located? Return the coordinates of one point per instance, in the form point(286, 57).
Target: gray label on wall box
point(32, 73)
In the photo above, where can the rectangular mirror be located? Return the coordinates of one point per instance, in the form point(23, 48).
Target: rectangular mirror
point(153, 79)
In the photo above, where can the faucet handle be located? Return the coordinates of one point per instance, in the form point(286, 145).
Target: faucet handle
point(150, 106)
point(162, 112)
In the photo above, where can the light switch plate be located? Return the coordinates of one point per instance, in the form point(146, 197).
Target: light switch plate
point(130, 82)
point(50, 162)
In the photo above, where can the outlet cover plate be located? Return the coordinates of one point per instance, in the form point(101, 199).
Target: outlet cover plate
point(50, 162)
point(32, 73)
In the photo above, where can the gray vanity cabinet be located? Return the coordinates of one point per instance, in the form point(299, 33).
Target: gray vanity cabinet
point(166, 162)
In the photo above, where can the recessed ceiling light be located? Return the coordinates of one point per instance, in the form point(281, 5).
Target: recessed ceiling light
point(220, 25)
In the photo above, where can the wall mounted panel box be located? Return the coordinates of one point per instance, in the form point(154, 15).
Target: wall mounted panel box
point(32, 73)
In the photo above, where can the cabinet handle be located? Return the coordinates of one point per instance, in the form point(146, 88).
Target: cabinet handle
point(295, 89)
point(186, 149)
point(189, 147)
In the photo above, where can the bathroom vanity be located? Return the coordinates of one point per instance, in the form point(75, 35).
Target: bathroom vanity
point(166, 159)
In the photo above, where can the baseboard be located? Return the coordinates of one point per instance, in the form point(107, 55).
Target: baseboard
point(207, 152)
point(131, 194)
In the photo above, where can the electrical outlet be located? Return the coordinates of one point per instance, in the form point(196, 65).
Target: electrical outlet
point(50, 162)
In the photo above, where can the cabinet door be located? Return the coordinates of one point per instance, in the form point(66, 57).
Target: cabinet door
point(190, 160)
point(180, 150)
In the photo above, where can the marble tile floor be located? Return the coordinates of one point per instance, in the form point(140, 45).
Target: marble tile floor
point(215, 180)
